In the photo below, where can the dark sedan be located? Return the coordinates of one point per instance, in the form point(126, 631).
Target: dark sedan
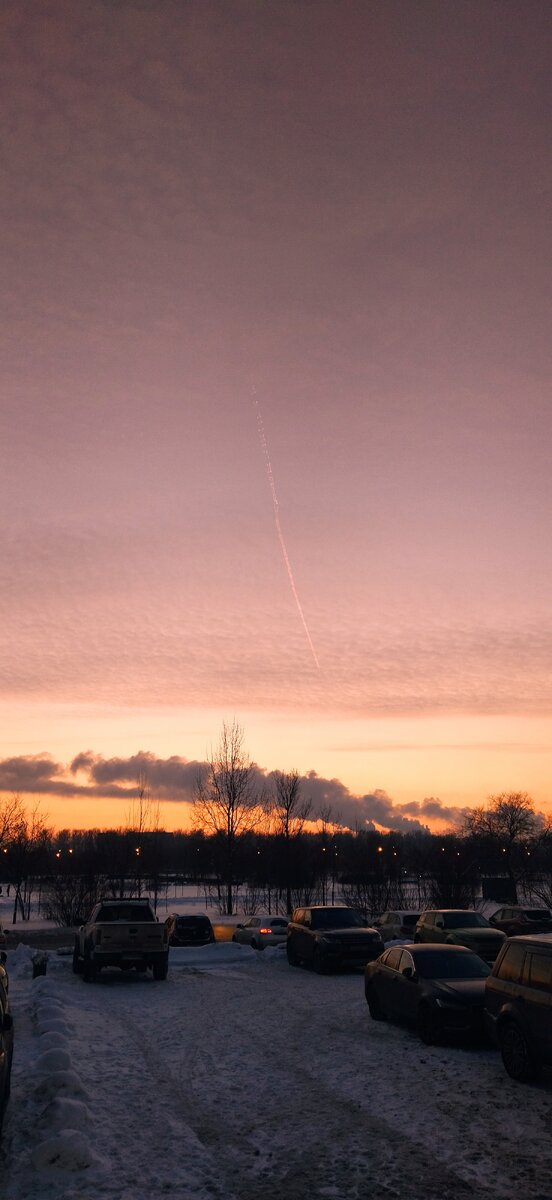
point(439, 989)
point(191, 930)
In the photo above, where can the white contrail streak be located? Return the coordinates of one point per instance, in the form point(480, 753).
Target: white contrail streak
point(275, 506)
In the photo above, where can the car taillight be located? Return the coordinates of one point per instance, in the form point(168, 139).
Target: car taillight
point(265, 931)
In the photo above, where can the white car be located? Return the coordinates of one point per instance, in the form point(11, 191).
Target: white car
point(396, 924)
point(262, 931)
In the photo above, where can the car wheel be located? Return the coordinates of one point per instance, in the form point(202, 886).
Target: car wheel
point(161, 969)
point(88, 968)
point(291, 957)
point(319, 963)
point(516, 1053)
point(374, 1005)
point(429, 1026)
point(77, 965)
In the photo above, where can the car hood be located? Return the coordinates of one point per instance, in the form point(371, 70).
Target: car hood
point(476, 935)
point(350, 932)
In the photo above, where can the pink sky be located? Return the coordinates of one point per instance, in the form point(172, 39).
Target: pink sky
point(338, 211)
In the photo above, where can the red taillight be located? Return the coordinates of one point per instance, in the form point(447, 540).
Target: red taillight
point(265, 931)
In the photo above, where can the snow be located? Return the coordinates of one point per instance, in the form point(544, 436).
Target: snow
point(242, 1078)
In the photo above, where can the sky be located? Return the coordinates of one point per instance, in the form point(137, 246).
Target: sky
point(275, 399)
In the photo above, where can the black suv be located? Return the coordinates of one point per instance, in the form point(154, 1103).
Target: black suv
point(190, 930)
point(518, 1004)
point(327, 937)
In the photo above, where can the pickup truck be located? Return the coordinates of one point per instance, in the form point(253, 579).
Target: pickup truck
point(122, 933)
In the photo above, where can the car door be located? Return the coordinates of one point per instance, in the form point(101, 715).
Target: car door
point(537, 1000)
point(407, 991)
point(389, 980)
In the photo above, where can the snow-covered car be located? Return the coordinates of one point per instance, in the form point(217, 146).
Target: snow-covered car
point(439, 989)
point(6, 1039)
point(398, 923)
point(262, 931)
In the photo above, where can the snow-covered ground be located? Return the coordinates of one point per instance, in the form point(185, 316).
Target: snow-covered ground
point(241, 1078)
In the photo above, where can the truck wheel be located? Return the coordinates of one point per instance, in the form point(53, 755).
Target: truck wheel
point(88, 968)
point(161, 969)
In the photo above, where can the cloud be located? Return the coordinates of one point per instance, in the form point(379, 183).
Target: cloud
point(172, 780)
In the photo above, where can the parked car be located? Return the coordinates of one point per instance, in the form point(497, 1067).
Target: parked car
point(518, 1004)
point(261, 931)
point(460, 927)
point(192, 929)
point(6, 1039)
point(439, 989)
point(396, 924)
point(327, 937)
point(515, 920)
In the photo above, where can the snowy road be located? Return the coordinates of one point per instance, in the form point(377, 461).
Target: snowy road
point(240, 1078)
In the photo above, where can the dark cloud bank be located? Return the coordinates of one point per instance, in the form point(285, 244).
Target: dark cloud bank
point(172, 780)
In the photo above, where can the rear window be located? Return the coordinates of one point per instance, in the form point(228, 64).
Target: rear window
point(278, 923)
point(193, 922)
point(130, 913)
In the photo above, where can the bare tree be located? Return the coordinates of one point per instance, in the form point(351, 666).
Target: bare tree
point(226, 803)
point(288, 811)
point(509, 822)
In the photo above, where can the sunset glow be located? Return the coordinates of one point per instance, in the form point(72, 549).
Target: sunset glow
point(348, 205)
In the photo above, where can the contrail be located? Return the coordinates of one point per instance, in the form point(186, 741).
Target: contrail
point(275, 506)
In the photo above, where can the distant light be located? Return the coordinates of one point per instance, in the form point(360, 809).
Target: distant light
point(380, 849)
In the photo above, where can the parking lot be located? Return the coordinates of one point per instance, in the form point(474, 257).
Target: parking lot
point(241, 1077)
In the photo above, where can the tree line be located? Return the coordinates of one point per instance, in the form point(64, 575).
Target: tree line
point(271, 851)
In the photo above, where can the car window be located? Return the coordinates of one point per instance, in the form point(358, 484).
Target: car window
point(511, 965)
point(278, 923)
point(393, 958)
point(540, 971)
point(501, 914)
point(407, 961)
point(465, 920)
point(439, 964)
point(537, 914)
point(428, 918)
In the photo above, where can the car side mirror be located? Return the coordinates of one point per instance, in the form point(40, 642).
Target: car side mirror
point(407, 972)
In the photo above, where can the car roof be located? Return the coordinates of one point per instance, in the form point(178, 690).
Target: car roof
point(423, 948)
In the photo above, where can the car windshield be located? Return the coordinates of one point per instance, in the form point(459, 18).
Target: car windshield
point(192, 922)
point(437, 965)
point(336, 918)
point(465, 920)
point(278, 923)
